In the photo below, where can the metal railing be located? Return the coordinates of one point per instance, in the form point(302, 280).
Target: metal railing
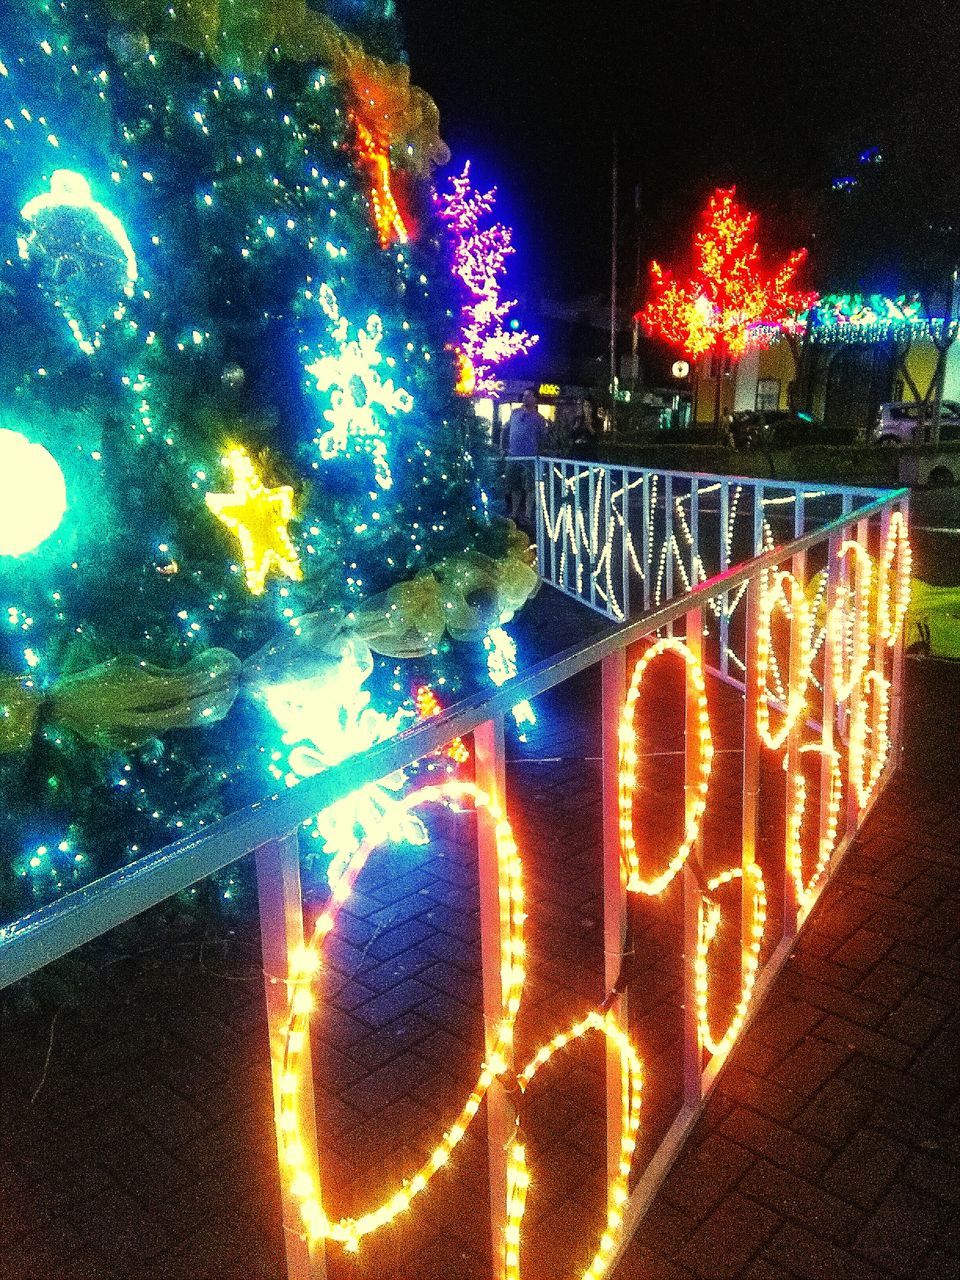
point(821, 678)
point(624, 539)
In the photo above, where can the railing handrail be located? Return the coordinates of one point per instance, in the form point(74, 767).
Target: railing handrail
point(808, 486)
point(86, 913)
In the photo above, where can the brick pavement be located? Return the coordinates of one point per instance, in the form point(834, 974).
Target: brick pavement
point(148, 1153)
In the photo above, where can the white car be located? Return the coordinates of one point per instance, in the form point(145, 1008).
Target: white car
point(909, 423)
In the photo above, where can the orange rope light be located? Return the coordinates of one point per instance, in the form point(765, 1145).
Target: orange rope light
point(391, 228)
point(875, 695)
point(897, 547)
point(429, 705)
point(708, 924)
point(869, 736)
point(618, 1191)
point(806, 888)
point(859, 596)
point(350, 1231)
point(696, 802)
point(787, 593)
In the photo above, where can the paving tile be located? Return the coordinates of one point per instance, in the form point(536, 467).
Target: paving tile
point(795, 1251)
point(916, 1019)
point(871, 1044)
point(708, 1172)
point(935, 1177)
point(801, 1201)
point(764, 1137)
point(900, 1232)
point(729, 1238)
point(393, 1003)
point(809, 1066)
point(864, 1169)
point(835, 1113)
point(776, 1101)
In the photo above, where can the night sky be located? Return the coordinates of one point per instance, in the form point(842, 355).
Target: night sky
point(768, 94)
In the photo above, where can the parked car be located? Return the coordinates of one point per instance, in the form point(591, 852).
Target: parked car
point(774, 428)
point(904, 422)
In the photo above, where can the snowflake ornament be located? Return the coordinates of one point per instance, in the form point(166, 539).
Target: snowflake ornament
point(360, 398)
point(325, 720)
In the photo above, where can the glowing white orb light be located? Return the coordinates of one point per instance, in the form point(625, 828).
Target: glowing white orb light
point(33, 494)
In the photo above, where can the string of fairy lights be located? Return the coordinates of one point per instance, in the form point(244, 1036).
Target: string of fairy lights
point(857, 657)
point(591, 515)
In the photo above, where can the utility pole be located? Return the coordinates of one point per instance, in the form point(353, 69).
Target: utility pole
point(637, 285)
point(614, 238)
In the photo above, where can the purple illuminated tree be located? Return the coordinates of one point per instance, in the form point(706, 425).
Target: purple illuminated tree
point(479, 261)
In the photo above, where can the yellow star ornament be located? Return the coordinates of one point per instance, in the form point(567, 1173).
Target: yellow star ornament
point(258, 518)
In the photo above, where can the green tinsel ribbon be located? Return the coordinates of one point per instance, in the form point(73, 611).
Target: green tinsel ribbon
point(123, 703)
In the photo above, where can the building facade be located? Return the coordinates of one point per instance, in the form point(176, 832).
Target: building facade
point(838, 370)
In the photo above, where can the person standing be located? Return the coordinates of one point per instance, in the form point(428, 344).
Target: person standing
point(522, 437)
point(586, 430)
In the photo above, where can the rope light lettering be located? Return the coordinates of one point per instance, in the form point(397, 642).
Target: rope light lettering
point(897, 548)
point(859, 645)
point(518, 1180)
point(708, 925)
point(787, 593)
point(350, 1231)
point(875, 696)
point(805, 889)
point(696, 801)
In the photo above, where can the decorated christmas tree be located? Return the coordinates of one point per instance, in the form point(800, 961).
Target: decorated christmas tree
point(244, 517)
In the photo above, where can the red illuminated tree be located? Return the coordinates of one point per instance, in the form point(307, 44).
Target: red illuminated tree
point(730, 302)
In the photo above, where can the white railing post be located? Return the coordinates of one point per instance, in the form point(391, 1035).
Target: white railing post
point(798, 641)
point(758, 492)
point(862, 536)
point(799, 513)
point(625, 539)
point(573, 490)
point(828, 699)
point(554, 530)
point(614, 688)
point(724, 627)
point(694, 525)
point(488, 741)
point(668, 542)
point(647, 513)
point(896, 688)
point(692, 873)
point(539, 492)
point(751, 752)
point(281, 935)
point(593, 473)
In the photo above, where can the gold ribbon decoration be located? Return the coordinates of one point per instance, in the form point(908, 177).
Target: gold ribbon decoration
point(314, 647)
point(20, 705)
point(122, 703)
point(405, 621)
point(240, 35)
point(125, 702)
point(465, 596)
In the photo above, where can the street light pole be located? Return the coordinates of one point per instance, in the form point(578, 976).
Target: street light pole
point(614, 283)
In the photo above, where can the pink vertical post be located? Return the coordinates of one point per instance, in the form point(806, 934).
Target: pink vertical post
point(751, 754)
point(692, 873)
point(501, 1121)
point(896, 689)
point(614, 686)
point(539, 497)
point(281, 934)
point(853, 709)
point(828, 700)
point(883, 653)
point(791, 905)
